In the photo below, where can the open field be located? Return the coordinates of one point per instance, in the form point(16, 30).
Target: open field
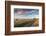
point(26, 22)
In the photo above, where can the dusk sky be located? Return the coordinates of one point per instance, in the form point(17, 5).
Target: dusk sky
point(26, 13)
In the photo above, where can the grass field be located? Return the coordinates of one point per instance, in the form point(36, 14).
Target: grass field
point(26, 22)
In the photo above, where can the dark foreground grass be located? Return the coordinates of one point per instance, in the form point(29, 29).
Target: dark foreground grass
point(26, 22)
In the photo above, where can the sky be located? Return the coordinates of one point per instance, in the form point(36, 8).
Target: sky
point(26, 13)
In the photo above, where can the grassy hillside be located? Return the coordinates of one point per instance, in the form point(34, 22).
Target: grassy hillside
point(26, 22)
